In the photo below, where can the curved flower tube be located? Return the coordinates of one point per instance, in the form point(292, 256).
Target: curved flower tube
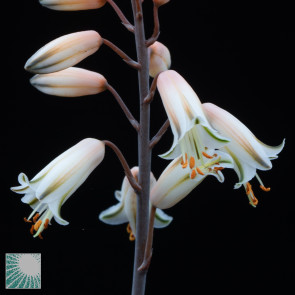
point(64, 52)
point(53, 185)
point(248, 153)
point(71, 82)
point(125, 210)
point(193, 135)
point(176, 182)
point(72, 5)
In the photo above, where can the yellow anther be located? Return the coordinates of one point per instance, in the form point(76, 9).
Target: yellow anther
point(266, 189)
point(37, 225)
point(200, 171)
point(207, 156)
point(192, 162)
point(36, 217)
point(26, 220)
point(193, 174)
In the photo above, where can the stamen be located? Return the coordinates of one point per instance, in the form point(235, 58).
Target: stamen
point(192, 162)
point(40, 237)
point(218, 168)
point(193, 174)
point(200, 171)
point(131, 237)
point(184, 164)
point(207, 156)
point(26, 220)
point(253, 200)
point(46, 223)
point(36, 217)
point(129, 230)
point(37, 225)
point(32, 229)
point(266, 189)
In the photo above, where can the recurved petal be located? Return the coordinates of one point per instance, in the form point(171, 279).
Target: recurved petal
point(71, 82)
point(64, 52)
point(114, 215)
point(71, 5)
point(162, 219)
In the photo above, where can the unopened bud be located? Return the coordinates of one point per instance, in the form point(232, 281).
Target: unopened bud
point(159, 3)
point(160, 59)
point(71, 82)
point(71, 5)
point(64, 52)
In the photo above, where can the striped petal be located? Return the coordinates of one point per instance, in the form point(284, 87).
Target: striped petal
point(72, 5)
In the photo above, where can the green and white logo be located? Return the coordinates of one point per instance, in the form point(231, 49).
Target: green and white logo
point(23, 271)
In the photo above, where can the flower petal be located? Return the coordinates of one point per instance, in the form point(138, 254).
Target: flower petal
point(72, 5)
point(114, 215)
point(161, 219)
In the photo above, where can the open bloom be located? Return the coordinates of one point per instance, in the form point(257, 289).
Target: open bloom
point(160, 59)
point(176, 182)
point(247, 151)
point(125, 210)
point(53, 185)
point(71, 82)
point(194, 138)
point(71, 5)
point(64, 52)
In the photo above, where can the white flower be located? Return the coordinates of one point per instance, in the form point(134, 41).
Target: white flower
point(64, 52)
point(125, 210)
point(194, 138)
point(71, 5)
point(71, 82)
point(247, 151)
point(177, 182)
point(53, 185)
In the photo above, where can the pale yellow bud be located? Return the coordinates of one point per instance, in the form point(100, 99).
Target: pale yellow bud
point(160, 59)
point(64, 52)
point(71, 82)
point(71, 5)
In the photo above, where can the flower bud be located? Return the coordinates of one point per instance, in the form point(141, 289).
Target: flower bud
point(71, 82)
point(71, 5)
point(160, 59)
point(159, 3)
point(64, 52)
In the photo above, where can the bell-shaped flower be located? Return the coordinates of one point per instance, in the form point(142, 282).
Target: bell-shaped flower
point(52, 186)
point(176, 182)
point(64, 52)
point(248, 153)
point(71, 82)
point(125, 210)
point(160, 59)
point(72, 5)
point(194, 138)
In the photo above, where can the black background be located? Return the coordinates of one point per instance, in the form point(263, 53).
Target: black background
point(239, 56)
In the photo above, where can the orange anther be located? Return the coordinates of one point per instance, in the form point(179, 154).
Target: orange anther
point(250, 193)
point(131, 237)
point(192, 162)
point(26, 220)
point(32, 229)
point(129, 230)
point(36, 217)
point(248, 188)
point(207, 156)
point(37, 225)
point(46, 223)
point(40, 237)
point(184, 164)
point(218, 168)
point(193, 174)
point(200, 171)
point(266, 189)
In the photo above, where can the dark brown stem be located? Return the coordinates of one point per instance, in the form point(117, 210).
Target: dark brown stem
point(159, 134)
point(121, 15)
point(122, 54)
point(152, 91)
point(149, 243)
point(144, 152)
point(156, 32)
point(125, 165)
point(125, 109)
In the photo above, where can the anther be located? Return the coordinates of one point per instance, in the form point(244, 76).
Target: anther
point(40, 237)
point(253, 200)
point(131, 237)
point(36, 217)
point(37, 225)
point(193, 174)
point(32, 229)
point(129, 230)
point(46, 223)
point(184, 164)
point(26, 220)
point(200, 171)
point(266, 189)
point(207, 156)
point(192, 162)
point(218, 168)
